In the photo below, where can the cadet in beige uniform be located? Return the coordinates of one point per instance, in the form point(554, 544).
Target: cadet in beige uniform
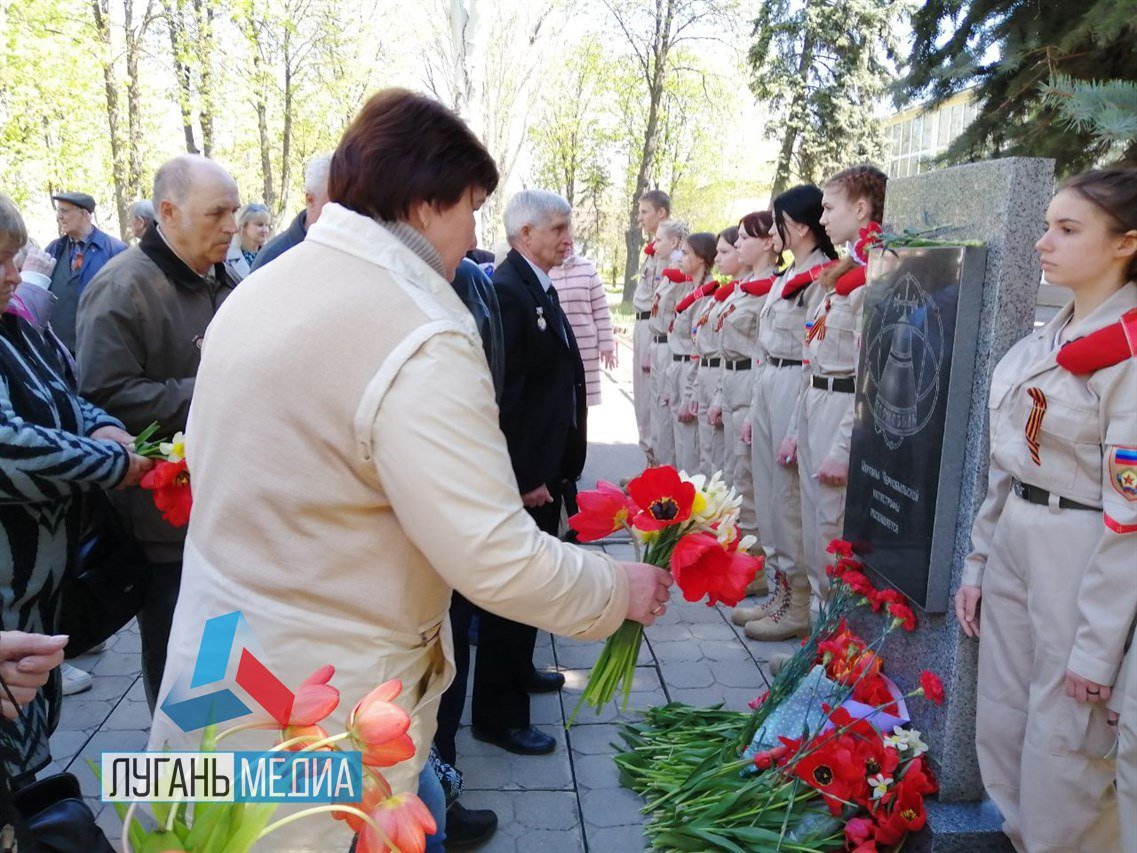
point(667, 292)
point(708, 378)
point(1055, 542)
point(777, 386)
point(654, 208)
point(698, 256)
point(852, 199)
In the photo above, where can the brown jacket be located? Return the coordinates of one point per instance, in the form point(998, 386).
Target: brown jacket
point(141, 323)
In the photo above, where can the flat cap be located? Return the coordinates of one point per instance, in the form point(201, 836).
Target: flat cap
point(78, 199)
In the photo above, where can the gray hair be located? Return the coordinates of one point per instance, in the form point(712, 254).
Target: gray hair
point(249, 212)
point(12, 228)
point(141, 209)
point(532, 207)
point(316, 174)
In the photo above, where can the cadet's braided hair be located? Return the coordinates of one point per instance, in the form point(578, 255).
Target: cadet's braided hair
point(863, 181)
point(1114, 193)
point(704, 246)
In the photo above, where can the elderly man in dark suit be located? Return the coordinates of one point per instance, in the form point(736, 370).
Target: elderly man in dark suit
point(542, 417)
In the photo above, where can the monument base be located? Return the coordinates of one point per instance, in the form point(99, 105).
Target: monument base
point(960, 828)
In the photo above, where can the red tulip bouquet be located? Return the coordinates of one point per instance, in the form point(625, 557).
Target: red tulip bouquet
point(169, 479)
point(686, 524)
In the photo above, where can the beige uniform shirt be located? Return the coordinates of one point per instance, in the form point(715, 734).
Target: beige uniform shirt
point(781, 332)
point(662, 307)
point(647, 283)
point(1087, 421)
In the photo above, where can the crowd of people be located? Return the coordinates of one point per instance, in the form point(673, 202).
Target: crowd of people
point(387, 426)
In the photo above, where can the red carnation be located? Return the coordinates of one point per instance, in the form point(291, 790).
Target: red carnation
point(932, 686)
point(703, 567)
point(663, 498)
point(869, 236)
point(839, 548)
point(858, 583)
point(649, 249)
point(601, 512)
point(902, 613)
point(170, 483)
point(885, 596)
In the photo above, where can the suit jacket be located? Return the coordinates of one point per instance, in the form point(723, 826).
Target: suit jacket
point(543, 401)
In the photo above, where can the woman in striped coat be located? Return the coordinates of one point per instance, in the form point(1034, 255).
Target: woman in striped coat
point(585, 305)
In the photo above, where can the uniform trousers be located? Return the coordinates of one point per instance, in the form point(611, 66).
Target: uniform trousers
point(641, 385)
point(686, 434)
point(777, 494)
point(504, 663)
point(822, 507)
point(1042, 754)
point(737, 389)
point(712, 439)
point(1127, 753)
point(662, 435)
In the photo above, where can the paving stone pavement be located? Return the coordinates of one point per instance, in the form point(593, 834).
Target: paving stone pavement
point(565, 802)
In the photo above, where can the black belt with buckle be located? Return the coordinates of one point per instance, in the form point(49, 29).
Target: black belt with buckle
point(643, 315)
point(741, 364)
point(1035, 495)
point(659, 339)
point(675, 357)
point(706, 361)
point(840, 384)
point(784, 362)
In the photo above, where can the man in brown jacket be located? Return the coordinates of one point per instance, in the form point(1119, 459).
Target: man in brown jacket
point(140, 327)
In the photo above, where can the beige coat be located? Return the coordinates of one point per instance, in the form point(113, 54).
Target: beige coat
point(348, 472)
point(1059, 587)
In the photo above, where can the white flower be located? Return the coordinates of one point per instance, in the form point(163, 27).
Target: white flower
point(175, 449)
point(906, 740)
point(879, 784)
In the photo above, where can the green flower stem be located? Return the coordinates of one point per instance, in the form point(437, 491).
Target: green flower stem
point(317, 743)
point(292, 818)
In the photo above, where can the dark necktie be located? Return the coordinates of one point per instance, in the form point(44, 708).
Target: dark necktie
point(559, 319)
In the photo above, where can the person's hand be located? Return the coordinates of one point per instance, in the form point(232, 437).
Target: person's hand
point(647, 592)
point(665, 400)
point(747, 433)
point(1112, 717)
point(139, 465)
point(1084, 690)
point(833, 473)
point(38, 261)
point(113, 433)
point(646, 366)
point(967, 609)
point(538, 497)
point(685, 414)
point(714, 416)
point(27, 661)
point(610, 360)
point(787, 452)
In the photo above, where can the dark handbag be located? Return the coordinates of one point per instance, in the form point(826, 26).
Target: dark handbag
point(48, 816)
point(104, 588)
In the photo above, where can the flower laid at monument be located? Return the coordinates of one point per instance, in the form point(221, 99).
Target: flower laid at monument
point(169, 479)
point(827, 760)
point(376, 727)
point(687, 524)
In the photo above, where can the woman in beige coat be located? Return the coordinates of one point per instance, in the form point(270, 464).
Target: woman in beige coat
point(1054, 547)
point(347, 464)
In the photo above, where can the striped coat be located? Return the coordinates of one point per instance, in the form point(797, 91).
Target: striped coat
point(45, 462)
point(585, 304)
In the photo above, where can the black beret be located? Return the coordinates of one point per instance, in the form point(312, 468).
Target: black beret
point(78, 199)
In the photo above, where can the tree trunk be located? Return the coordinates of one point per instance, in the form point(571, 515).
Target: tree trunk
point(133, 106)
point(204, 10)
point(793, 123)
point(179, 49)
point(119, 166)
point(286, 140)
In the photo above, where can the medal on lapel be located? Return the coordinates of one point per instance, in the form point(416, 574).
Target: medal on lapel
point(542, 323)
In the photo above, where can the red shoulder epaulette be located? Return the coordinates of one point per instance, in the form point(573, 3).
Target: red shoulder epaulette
point(649, 249)
point(758, 287)
point(851, 280)
point(1103, 348)
point(804, 279)
point(695, 295)
point(725, 291)
point(672, 274)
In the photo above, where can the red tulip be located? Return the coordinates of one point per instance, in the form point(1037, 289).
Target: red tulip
point(315, 699)
point(375, 790)
point(601, 512)
point(860, 835)
point(170, 483)
point(378, 727)
point(405, 822)
point(663, 498)
point(703, 567)
point(314, 733)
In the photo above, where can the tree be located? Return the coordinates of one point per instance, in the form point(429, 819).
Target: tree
point(654, 29)
point(1107, 109)
point(821, 66)
point(1007, 50)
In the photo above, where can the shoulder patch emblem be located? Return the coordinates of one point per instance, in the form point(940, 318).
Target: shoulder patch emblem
point(1123, 471)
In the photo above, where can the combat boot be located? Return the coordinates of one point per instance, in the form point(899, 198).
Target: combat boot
point(791, 620)
point(777, 600)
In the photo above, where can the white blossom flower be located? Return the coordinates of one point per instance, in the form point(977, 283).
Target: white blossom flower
point(879, 784)
point(906, 740)
point(175, 449)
